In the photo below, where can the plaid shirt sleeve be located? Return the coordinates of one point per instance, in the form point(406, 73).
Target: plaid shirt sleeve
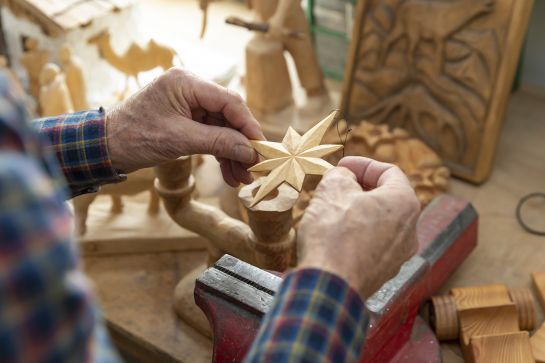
point(316, 318)
point(79, 142)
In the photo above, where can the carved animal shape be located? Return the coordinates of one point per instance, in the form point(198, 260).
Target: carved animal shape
point(137, 182)
point(432, 20)
point(54, 96)
point(73, 71)
point(34, 59)
point(136, 59)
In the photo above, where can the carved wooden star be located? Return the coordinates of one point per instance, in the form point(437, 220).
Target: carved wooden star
point(294, 158)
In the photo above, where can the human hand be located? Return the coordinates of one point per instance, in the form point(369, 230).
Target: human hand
point(361, 224)
point(179, 114)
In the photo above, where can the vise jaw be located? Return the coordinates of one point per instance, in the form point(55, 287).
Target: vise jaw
point(235, 295)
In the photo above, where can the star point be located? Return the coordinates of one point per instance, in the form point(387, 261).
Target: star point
point(294, 158)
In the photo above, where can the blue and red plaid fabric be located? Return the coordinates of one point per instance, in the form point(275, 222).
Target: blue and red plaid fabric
point(47, 310)
point(79, 142)
point(316, 318)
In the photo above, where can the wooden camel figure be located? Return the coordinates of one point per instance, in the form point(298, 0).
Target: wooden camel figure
point(136, 59)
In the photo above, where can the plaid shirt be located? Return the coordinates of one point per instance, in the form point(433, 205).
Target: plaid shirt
point(47, 311)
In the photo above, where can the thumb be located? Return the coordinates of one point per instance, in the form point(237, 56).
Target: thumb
point(222, 142)
point(336, 183)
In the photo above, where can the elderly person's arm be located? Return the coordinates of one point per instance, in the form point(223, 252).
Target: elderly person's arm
point(357, 231)
point(178, 114)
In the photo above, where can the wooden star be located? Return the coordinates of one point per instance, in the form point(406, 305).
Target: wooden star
point(294, 158)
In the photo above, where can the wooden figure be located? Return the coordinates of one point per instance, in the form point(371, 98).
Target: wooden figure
point(13, 77)
point(294, 158)
point(488, 320)
point(443, 70)
point(136, 59)
point(34, 60)
point(54, 95)
point(137, 182)
point(75, 80)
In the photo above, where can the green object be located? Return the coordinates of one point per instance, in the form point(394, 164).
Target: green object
point(328, 22)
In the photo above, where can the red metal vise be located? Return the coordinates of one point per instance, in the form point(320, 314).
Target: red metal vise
point(235, 295)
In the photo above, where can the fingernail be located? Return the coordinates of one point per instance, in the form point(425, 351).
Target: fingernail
point(244, 154)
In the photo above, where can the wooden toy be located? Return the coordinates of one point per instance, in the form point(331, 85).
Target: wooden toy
point(538, 344)
point(34, 60)
point(57, 24)
point(136, 59)
point(54, 95)
point(488, 321)
point(538, 279)
point(137, 182)
point(445, 79)
point(294, 158)
point(75, 80)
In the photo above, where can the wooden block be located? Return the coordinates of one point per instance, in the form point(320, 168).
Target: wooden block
point(452, 91)
point(481, 296)
point(538, 344)
point(502, 348)
point(539, 283)
point(487, 321)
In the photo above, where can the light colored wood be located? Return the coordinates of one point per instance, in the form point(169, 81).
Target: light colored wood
point(75, 80)
point(267, 81)
point(135, 59)
point(446, 79)
point(538, 344)
point(56, 17)
point(538, 279)
point(481, 296)
point(502, 348)
point(445, 317)
point(523, 299)
point(34, 60)
point(54, 95)
point(426, 172)
point(294, 158)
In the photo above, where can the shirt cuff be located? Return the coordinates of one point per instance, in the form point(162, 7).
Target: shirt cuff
point(316, 317)
point(79, 141)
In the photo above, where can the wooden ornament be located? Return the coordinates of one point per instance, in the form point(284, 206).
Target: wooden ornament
point(441, 69)
point(539, 283)
point(135, 59)
point(294, 158)
point(34, 60)
point(73, 71)
point(54, 95)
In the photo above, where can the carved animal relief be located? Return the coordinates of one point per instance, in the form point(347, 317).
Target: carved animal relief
point(442, 69)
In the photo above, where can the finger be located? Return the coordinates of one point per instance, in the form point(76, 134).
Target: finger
point(372, 174)
point(336, 183)
point(240, 173)
point(222, 142)
point(227, 172)
point(215, 98)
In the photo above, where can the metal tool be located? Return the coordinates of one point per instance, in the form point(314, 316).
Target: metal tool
point(263, 27)
point(235, 295)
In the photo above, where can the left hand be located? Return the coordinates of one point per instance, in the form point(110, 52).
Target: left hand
point(179, 114)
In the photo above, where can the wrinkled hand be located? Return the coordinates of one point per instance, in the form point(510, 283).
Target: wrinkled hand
point(361, 224)
point(179, 114)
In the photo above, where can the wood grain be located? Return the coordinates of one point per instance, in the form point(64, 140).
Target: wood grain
point(481, 296)
point(523, 299)
point(502, 348)
point(442, 70)
point(538, 278)
point(445, 317)
point(538, 344)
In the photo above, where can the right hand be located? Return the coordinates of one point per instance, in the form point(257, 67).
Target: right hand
point(361, 224)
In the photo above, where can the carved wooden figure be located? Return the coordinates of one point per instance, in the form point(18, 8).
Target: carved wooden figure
point(294, 158)
point(443, 70)
point(538, 344)
point(268, 87)
point(137, 182)
point(34, 59)
point(136, 59)
point(75, 80)
point(488, 320)
point(538, 279)
point(54, 95)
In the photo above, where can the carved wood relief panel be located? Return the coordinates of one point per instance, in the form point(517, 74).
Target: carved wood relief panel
point(441, 69)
